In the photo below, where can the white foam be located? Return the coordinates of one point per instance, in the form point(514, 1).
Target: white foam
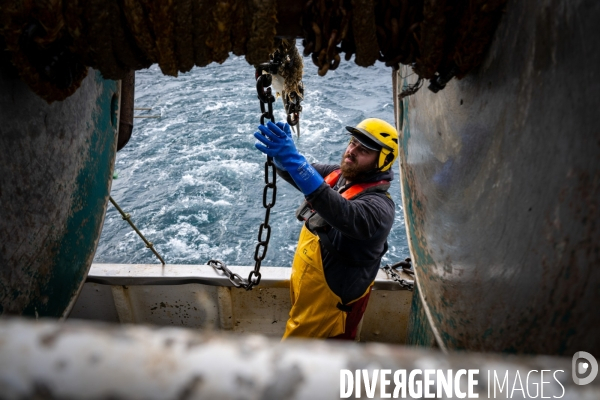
point(178, 247)
point(219, 105)
point(186, 230)
point(218, 202)
point(246, 128)
point(189, 179)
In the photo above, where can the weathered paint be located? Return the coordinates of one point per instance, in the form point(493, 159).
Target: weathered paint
point(91, 361)
point(55, 175)
point(501, 186)
point(413, 201)
point(419, 331)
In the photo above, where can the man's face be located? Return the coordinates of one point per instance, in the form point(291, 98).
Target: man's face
point(357, 160)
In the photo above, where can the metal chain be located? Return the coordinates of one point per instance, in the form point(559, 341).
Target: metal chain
point(234, 278)
point(406, 265)
point(293, 108)
point(265, 96)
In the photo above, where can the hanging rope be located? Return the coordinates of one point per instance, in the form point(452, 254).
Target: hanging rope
point(51, 43)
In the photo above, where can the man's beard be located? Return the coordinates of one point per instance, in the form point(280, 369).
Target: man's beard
point(353, 172)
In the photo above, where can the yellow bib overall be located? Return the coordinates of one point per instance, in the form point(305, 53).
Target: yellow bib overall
point(314, 310)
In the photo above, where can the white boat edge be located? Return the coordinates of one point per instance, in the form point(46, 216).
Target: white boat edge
point(198, 296)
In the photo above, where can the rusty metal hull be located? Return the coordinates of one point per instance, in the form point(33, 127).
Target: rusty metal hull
point(501, 186)
point(56, 166)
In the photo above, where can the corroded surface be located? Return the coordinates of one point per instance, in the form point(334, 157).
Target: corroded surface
point(363, 20)
point(501, 188)
point(52, 43)
point(55, 170)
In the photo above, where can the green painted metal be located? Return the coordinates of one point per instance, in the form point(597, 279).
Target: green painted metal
point(78, 244)
point(53, 212)
point(419, 331)
point(413, 202)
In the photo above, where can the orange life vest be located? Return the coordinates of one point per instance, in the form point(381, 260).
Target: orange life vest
point(354, 190)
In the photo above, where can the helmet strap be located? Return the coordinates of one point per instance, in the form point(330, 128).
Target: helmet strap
point(389, 156)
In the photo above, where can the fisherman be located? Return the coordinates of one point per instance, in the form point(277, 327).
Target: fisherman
point(347, 216)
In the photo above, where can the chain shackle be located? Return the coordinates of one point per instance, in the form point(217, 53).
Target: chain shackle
point(293, 108)
point(293, 119)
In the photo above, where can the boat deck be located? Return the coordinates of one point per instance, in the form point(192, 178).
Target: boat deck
point(198, 296)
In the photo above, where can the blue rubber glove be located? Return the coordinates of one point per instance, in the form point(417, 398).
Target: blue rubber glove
point(286, 128)
point(277, 143)
point(275, 149)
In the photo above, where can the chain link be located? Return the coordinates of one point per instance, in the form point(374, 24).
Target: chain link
point(265, 96)
point(406, 265)
point(234, 278)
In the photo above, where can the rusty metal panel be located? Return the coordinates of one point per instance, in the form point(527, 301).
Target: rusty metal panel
point(56, 166)
point(500, 174)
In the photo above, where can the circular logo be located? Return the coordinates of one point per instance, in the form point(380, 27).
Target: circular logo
point(584, 368)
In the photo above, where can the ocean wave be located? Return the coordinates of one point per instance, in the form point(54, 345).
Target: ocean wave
point(193, 181)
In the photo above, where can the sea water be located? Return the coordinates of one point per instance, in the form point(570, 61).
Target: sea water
point(192, 180)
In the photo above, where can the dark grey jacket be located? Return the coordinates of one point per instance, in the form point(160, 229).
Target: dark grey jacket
point(357, 228)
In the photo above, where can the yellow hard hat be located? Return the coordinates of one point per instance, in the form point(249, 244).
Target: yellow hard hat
point(376, 134)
